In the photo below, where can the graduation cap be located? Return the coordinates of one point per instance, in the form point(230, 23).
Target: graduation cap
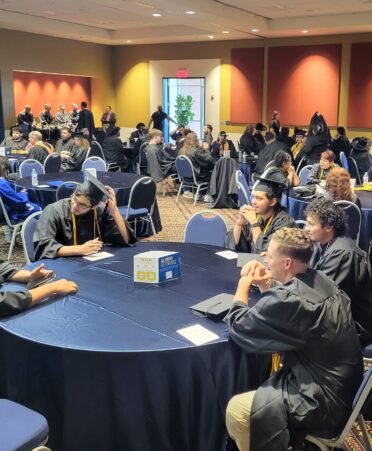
point(300, 132)
point(78, 135)
point(360, 144)
point(260, 126)
point(271, 184)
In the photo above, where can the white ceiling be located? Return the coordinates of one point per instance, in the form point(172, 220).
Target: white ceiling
point(119, 21)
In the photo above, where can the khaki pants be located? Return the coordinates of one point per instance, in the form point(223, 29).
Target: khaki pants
point(238, 413)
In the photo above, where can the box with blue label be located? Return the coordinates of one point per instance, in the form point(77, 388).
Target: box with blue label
point(156, 266)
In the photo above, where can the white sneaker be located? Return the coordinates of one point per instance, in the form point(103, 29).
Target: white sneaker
point(188, 194)
point(207, 198)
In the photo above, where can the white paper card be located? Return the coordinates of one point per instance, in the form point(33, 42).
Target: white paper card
point(198, 334)
point(98, 256)
point(230, 255)
point(43, 186)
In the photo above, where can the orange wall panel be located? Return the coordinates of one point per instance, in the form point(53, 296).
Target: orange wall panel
point(302, 80)
point(36, 89)
point(360, 86)
point(246, 85)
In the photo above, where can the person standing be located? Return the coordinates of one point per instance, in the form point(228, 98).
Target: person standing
point(274, 125)
point(108, 119)
point(158, 117)
point(86, 120)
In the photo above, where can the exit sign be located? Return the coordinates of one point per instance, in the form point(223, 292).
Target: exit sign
point(182, 73)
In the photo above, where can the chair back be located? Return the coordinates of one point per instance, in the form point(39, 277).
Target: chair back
point(344, 162)
point(142, 157)
point(96, 150)
point(243, 198)
point(354, 171)
point(300, 224)
point(206, 230)
point(26, 167)
point(65, 190)
point(300, 165)
point(354, 218)
point(304, 173)
point(52, 163)
point(27, 234)
point(269, 165)
point(94, 163)
point(142, 195)
point(240, 178)
point(185, 169)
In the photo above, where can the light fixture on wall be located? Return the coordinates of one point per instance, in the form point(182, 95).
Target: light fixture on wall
point(210, 36)
point(128, 41)
point(225, 32)
point(255, 30)
point(305, 31)
point(157, 15)
point(190, 12)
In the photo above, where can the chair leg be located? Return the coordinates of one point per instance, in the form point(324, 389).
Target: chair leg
point(365, 433)
point(153, 228)
point(12, 243)
point(318, 443)
point(179, 192)
point(196, 195)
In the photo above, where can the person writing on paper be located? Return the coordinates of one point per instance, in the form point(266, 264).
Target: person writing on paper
point(256, 223)
point(13, 302)
point(80, 225)
point(307, 319)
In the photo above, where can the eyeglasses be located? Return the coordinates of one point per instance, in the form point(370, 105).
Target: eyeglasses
point(81, 206)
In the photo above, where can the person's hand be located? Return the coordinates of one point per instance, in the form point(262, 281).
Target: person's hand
point(205, 145)
point(111, 203)
point(64, 287)
point(249, 214)
point(250, 267)
point(261, 277)
point(91, 247)
point(291, 169)
point(38, 273)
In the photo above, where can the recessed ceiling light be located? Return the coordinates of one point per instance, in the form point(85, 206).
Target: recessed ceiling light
point(226, 32)
point(128, 41)
point(305, 31)
point(255, 30)
point(210, 36)
point(190, 12)
point(157, 15)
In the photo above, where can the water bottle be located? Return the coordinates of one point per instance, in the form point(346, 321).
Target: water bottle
point(34, 180)
point(240, 156)
point(244, 157)
point(365, 178)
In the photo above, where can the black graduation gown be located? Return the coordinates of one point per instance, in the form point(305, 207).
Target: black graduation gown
point(37, 153)
point(317, 140)
point(266, 155)
point(13, 144)
point(202, 162)
point(316, 176)
point(113, 150)
point(86, 120)
point(308, 321)
point(348, 266)
point(363, 160)
point(248, 143)
point(75, 161)
point(281, 219)
point(161, 161)
point(54, 229)
point(340, 144)
point(11, 302)
point(64, 144)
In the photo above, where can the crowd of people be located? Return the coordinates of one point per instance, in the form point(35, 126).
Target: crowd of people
point(315, 307)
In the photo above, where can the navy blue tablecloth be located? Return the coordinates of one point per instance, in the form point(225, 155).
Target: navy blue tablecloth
point(296, 209)
point(15, 161)
point(107, 367)
point(121, 182)
point(247, 169)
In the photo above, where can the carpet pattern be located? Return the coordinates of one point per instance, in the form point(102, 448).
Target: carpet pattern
point(174, 218)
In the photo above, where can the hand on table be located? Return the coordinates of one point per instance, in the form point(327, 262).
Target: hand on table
point(38, 273)
point(91, 247)
point(258, 274)
point(64, 287)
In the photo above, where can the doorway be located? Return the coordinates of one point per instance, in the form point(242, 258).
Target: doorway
point(195, 87)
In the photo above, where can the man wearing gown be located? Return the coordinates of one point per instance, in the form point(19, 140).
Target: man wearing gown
point(26, 120)
point(113, 149)
point(66, 142)
point(258, 222)
point(307, 319)
point(16, 141)
point(161, 160)
point(338, 256)
point(12, 302)
point(38, 150)
point(80, 225)
point(86, 120)
point(73, 159)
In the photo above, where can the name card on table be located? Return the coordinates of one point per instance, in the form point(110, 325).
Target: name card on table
point(198, 335)
point(156, 266)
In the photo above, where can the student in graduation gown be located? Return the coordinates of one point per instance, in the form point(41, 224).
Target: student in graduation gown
point(282, 170)
point(66, 141)
point(37, 149)
point(201, 157)
point(258, 222)
point(12, 302)
point(15, 141)
point(80, 225)
point(113, 149)
point(318, 139)
point(338, 256)
point(86, 120)
point(161, 160)
point(319, 171)
point(361, 155)
point(73, 159)
point(307, 319)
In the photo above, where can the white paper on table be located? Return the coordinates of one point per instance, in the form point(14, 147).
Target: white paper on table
point(230, 255)
point(42, 186)
point(98, 256)
point(198, 334)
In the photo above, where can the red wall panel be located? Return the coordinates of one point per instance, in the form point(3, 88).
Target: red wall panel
point(360, 86)
point(36, 89)
point(302, 80)
point(246, 85)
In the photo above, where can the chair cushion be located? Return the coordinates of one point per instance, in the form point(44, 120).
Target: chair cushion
point(134, 212)
point(367, 352)
point(21, 429)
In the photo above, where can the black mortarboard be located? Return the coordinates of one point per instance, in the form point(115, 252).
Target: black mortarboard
point(360, 144)
point(78, 135)
point(260, 126)
point(271, 184)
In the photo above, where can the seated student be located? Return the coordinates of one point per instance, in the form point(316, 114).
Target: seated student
point(26, 121)
point(113, 148)
point(80, 225)
point(300, 140)
point(74, 116)
point(16, 203)
point(200, 157)
point(15, 141)
point(340, 143)
point(361, 155)
point(284, 171)
point(161, 160)
point(66, 141)
point(342, 260)
point(267, 154)
point(248, 144)
point(73, 159)
point(338, 187)
point(138, 132)
point(62, 118)
point(258, 136)
point(284, 138)
point(37, 150)
point(178, 133)
point(307, 319)
point(257, 223)
point(222, 144)
point(12, 302)
point(319, 171)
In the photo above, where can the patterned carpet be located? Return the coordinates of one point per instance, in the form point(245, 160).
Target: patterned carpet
point(174, 218)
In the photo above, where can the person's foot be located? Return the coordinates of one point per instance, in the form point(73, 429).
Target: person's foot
point(188, 194)
point(207, 198)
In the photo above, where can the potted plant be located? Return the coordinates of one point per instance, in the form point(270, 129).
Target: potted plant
point(183, 112)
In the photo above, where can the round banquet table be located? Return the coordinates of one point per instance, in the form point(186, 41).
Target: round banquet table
point(121, 182)
point(107, 367)
point(297, 206)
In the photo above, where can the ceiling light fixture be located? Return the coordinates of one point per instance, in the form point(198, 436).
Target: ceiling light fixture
point(157, 15)
point(128, 41)
point(210, 36)
point(226, 32)
point(305, 31)
point(190, 12)
point(255, 30)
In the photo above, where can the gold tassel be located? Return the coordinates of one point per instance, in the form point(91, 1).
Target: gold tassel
point(275, 362)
